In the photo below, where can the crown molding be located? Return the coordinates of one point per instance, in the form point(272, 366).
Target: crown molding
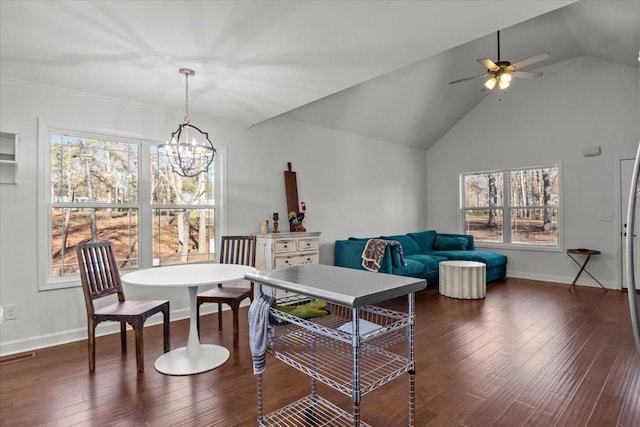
point(116, 102)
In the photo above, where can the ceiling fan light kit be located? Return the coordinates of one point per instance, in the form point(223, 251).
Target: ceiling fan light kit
point(502, 72)
point(505, 80)
point(491, 83)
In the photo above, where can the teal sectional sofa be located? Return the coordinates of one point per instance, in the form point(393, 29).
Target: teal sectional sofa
point(422, 252)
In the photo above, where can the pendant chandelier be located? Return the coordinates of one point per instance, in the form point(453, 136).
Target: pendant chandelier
point(189, 151)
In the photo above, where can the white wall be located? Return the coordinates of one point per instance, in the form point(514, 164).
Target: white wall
point(352, 186)
point(577, 103)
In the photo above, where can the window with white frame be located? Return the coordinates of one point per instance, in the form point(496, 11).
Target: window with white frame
point(514, 206)
point(121, 189)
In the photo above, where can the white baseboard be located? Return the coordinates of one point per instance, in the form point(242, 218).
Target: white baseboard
point(106, 328)
point(562, 279)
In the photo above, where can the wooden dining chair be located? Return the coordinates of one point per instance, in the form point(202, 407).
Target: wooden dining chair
point(235, 250)
point(101, 278)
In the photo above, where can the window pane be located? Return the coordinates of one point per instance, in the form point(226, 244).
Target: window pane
point(535, 226)
point(169, 231)
point(534, 187)
point(484, 224)
point(483, 190)
point(170, 188)
point(92, 170)
point(71, 226)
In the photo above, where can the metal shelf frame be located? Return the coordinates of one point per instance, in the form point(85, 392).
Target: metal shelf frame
point(332, 350)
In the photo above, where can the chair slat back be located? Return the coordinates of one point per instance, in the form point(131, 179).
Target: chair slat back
point(98, 272)
point(238, 250)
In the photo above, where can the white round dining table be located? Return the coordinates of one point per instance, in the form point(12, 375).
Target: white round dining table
point(195, 357)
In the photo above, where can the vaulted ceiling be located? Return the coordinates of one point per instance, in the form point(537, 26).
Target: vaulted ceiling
point(415, 105)
point(346, 65)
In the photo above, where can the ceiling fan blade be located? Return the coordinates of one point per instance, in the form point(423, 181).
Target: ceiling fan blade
point(527, 74)
point(488, 64)
point(535, 58)
point(469, 78)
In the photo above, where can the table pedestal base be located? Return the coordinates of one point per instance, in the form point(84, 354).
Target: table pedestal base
point(178, 362)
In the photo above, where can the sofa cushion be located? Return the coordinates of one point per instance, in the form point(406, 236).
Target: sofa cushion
point(412, 268)
point(444, 243)
point(491, 259)
point(424, 239)
point(395, 256)
point(468, 237)
point(409, 246)
point(430, 262)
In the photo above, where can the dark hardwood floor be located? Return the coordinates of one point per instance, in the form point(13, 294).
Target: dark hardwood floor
point(530, 354)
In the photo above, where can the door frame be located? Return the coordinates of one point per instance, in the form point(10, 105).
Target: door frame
point(623, 190)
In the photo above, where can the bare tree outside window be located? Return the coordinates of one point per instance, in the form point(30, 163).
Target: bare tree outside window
point(493, 201)
point(546, 225)
point(483, 197)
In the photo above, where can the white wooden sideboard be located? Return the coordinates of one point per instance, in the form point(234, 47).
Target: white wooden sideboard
point(277, 250)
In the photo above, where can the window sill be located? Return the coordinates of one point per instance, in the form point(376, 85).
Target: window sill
point(53, 283)
point(518, 247)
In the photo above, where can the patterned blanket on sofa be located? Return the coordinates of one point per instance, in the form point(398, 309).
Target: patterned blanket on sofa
point(374, 252)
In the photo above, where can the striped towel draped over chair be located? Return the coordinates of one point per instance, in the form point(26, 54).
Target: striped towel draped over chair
point(260, 330)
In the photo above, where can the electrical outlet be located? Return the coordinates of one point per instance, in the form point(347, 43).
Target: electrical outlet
point(10, 312)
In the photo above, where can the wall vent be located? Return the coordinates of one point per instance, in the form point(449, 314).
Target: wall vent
point(16, 358)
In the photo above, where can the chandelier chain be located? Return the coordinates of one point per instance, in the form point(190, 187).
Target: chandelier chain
point(186, 97)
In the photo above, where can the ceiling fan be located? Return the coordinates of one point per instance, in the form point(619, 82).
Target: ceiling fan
point(501, 72)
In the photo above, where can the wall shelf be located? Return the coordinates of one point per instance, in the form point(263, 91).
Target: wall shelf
point(8, 157)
